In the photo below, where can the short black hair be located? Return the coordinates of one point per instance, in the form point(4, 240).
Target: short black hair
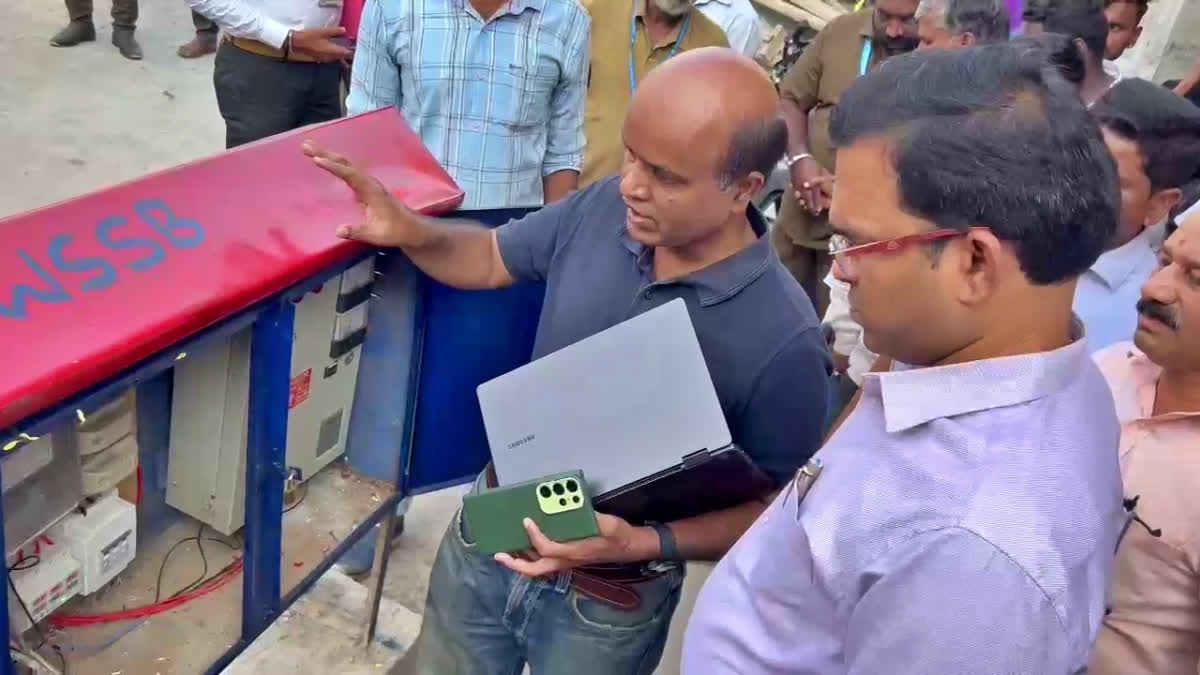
point(1143, 6)
point(1036, 10)
point(992, 136)
point(1059, 51)
point(1165, 126)
point(987, 20)
point(756, 145)
point(1088, 25)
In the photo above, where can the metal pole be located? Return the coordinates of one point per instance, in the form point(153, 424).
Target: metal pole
point(383, 550)
point(266, 459)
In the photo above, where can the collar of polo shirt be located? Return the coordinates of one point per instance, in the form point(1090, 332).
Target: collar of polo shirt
point(723, 279)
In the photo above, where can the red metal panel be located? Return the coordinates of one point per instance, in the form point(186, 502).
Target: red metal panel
point(91, 286)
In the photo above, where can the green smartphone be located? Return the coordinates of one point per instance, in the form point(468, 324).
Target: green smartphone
point(560, 505)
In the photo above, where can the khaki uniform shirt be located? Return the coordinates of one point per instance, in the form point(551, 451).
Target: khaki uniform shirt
point(609, 88)
point(826, 69)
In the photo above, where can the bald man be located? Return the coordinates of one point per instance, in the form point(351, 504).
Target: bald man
point(700, 137)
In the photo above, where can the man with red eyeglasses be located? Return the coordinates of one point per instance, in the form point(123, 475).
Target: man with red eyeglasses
point(963, 518)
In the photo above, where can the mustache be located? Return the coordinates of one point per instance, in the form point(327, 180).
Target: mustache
point(900, 45)
point(1153, 309)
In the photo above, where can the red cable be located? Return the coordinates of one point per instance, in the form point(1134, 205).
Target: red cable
point(74, 620)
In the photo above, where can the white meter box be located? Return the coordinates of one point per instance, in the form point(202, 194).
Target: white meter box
point(206, 470)
point(102, 537)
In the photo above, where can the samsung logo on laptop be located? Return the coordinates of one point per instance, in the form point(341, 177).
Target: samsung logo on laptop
point(521, 441)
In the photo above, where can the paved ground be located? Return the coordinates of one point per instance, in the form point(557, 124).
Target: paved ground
point(74, 120)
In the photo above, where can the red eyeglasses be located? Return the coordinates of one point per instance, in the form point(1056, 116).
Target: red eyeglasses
point(844, 254)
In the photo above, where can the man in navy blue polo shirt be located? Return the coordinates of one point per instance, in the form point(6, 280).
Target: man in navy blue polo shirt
point(701, 133)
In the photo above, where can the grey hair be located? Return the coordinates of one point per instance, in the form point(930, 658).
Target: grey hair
point(933, 7)
point(987, 20)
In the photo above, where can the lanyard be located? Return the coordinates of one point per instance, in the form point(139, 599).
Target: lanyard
point(683, 29)
point(864, 61)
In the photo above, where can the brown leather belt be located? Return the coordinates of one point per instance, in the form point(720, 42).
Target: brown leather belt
point(614, 585)
point(256, 47)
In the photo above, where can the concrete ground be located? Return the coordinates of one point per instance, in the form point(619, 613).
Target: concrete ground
point(75, 120)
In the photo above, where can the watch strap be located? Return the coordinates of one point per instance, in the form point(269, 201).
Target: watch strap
point(668, 549)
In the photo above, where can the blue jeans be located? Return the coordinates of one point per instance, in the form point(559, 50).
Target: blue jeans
point(482, 619)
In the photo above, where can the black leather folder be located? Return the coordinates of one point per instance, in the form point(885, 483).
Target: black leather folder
point(707, 480)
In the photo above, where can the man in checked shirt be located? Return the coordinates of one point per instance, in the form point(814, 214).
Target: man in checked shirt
point(495, 89)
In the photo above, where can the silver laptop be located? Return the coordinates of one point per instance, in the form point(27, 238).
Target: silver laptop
point(621, 405)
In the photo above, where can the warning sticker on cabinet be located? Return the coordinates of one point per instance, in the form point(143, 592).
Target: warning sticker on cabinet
point(299, 388)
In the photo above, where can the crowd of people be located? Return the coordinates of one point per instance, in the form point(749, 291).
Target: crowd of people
point(990, 467)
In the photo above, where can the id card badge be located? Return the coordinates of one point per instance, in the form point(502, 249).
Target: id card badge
point(330, 3)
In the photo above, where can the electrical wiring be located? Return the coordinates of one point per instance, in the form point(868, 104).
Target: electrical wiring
point(197, 589)
point(217, 581)
point(27, 563)
point(25, 608)
point(199, 539)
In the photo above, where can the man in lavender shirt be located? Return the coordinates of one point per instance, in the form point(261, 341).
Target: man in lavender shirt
point(964, 517)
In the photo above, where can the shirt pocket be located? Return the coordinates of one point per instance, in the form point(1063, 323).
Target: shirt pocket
point(781, 567)
point(524, 87)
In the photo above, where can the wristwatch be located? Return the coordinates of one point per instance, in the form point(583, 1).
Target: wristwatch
point(790, 160)
point(668, 550)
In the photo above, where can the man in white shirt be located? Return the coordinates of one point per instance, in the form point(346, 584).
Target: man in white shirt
point(280, 65)
point(739, 20)
point(1154, 137)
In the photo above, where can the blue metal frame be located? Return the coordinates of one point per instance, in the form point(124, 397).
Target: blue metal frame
point(272, 322)
point(266, 465)
point(454, 348)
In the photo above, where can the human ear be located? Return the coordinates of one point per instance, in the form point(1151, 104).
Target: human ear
point(746, 189)
point(1160, 204)
point(979, 265)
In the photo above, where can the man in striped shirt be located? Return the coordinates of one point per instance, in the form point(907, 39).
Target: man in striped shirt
point(494, 88)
